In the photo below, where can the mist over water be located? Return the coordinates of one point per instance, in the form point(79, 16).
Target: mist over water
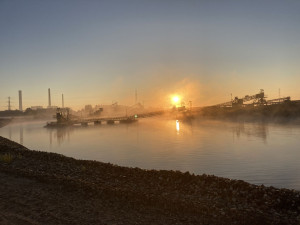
point(257, 152)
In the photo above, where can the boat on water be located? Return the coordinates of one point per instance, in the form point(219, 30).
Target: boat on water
point(56, 124)
point(63, 119)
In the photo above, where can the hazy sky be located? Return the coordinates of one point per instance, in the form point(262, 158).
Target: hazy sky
point(97, 52)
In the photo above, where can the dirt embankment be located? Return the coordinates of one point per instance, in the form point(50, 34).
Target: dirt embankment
point(47, 188)
point(4, 122)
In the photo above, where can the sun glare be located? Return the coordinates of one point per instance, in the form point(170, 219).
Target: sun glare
point(175, 99)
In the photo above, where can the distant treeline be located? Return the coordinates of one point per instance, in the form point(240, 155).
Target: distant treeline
point(286, 110)
point(28, 112)
point(10, 113)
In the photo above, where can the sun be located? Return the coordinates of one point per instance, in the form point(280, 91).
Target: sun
point(175, 99)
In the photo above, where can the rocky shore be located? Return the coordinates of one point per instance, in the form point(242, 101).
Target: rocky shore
point(47, 188)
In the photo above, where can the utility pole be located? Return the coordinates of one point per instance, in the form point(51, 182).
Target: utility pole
point(279, 94)
point(9, 107)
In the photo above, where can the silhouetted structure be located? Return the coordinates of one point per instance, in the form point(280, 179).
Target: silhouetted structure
point(257, 100)
point(9, 106)
point(49, 98)
point(20, 101)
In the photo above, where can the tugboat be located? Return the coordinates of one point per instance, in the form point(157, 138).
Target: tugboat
point(62, 118)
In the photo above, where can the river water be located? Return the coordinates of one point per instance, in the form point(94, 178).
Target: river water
point(257, 152)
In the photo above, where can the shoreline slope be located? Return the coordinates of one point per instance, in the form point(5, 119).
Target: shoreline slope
point(48, 188)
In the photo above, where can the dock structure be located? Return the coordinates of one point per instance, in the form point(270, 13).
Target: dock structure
point(107, 120)
point(63, 118)
point(95, 121)
point(151, 114)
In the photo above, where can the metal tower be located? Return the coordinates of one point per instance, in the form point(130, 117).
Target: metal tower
point(9, 106)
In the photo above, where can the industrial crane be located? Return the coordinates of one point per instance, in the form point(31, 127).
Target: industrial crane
point(258, 99)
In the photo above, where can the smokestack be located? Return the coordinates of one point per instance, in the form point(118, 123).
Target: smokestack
point(62, 101)
point(49, 98)
point(20, 101)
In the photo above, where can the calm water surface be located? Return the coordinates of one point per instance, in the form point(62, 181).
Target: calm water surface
point(260, 153)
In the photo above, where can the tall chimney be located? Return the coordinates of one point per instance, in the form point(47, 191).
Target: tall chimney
point(62, 101)
point(49, 98)
point(20, 101)
point(9, 107)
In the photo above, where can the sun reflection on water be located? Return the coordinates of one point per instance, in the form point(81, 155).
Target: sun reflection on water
point(177, 126)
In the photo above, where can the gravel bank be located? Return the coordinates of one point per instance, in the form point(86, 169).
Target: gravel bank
point(47, 188)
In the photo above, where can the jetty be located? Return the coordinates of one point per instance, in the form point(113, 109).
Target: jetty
point(63, 118)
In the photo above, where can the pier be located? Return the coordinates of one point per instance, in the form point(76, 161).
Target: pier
point(95, 121)
point(63, 118)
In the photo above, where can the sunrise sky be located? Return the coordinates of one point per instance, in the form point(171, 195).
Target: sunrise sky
point(99, 52)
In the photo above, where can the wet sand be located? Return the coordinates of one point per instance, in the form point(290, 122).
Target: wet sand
point(47, 188)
